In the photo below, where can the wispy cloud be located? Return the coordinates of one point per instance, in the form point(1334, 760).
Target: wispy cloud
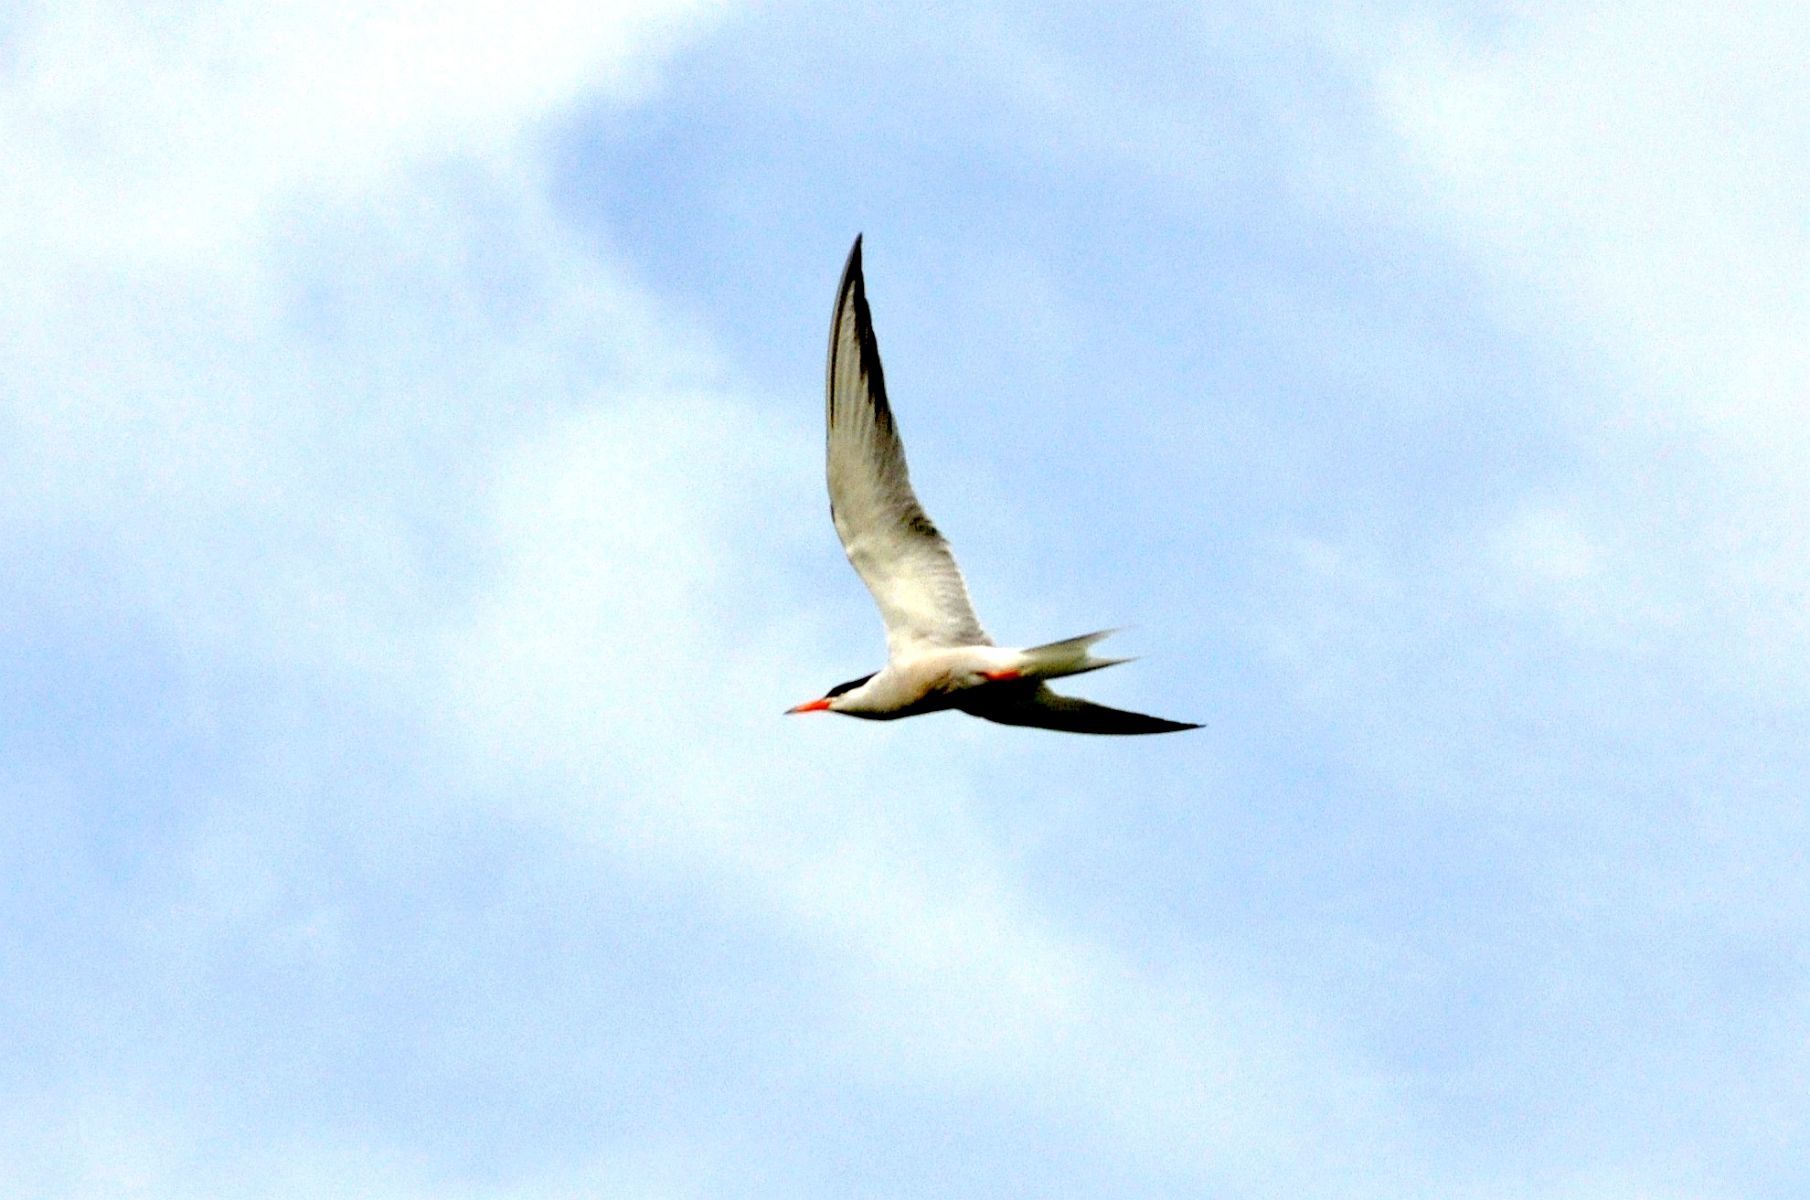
point(1630, 179)
point(330, 402)
point(176, 133)
point(415, 591)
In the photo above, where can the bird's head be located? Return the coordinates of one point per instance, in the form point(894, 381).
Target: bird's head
point(831, 698)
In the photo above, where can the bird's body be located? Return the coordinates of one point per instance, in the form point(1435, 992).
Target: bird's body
point(938, 657)
point(925, 681)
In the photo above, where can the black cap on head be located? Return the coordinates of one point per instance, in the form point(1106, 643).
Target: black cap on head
point(850, 686)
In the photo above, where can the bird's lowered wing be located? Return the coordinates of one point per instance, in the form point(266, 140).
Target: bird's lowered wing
point(1036, 705)
point(898, 553)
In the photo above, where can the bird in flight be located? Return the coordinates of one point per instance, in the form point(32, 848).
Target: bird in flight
point(938, 656)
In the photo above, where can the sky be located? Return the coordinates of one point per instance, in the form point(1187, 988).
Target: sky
point(411, 490)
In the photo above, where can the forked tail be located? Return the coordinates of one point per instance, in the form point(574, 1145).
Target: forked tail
point(1072, 656)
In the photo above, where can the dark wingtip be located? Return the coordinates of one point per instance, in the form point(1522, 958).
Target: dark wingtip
point(1177, 727)
point(1165, 725)
point(852, 282)
point(852, 294)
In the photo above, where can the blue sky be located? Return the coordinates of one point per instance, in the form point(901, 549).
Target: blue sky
point(410, 476)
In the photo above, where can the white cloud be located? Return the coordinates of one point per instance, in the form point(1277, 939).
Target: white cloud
point(189, 184)
point(1606, 666)
point(551, 541)
point(173, 132)
point(556, 542)
point(252, 368)
point(1639, 164)
point(123, 1146)
point(1546, 548)
point(1632, 177)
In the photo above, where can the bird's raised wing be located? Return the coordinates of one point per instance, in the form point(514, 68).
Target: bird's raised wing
point(898, 553)
point(1036, 705)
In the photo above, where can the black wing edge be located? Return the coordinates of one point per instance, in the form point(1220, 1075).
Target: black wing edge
point(852, 281)
point(1044, 709)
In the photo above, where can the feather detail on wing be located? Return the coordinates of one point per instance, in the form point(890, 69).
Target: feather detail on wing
point(1038, 706)
point(892, 544)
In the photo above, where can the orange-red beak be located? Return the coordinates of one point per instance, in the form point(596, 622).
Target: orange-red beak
point(822, 705)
